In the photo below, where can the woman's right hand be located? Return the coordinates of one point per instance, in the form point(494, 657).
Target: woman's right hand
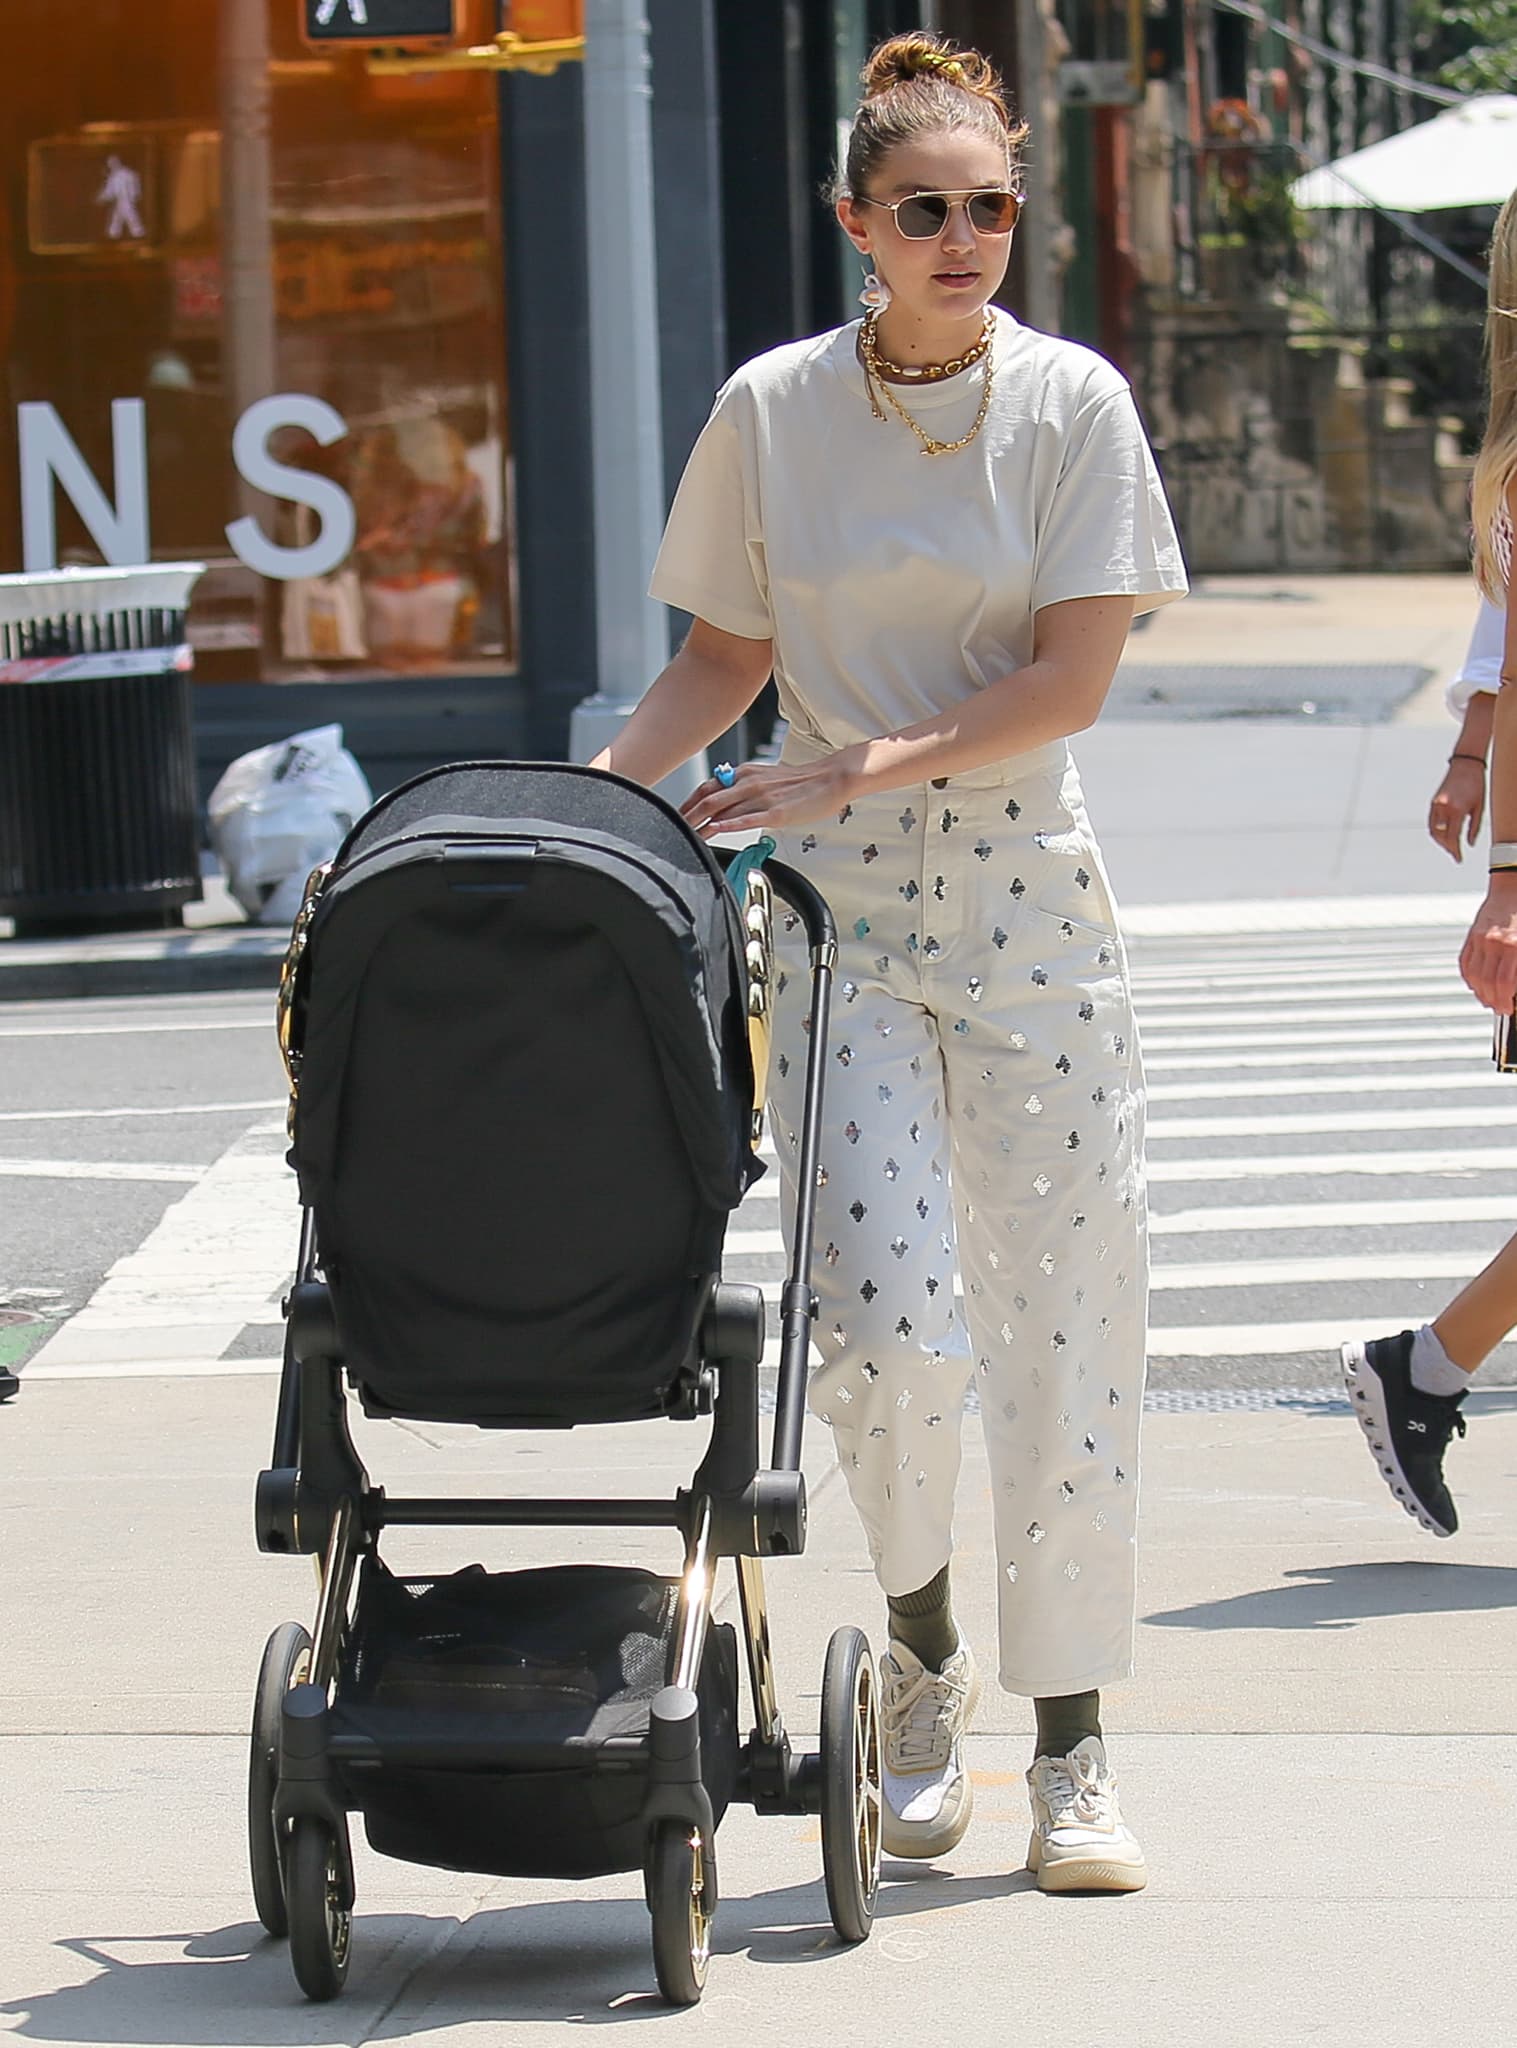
point(1489, 959)
point(1458, 808)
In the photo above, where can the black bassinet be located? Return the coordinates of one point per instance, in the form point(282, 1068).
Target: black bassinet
point(525, 1094)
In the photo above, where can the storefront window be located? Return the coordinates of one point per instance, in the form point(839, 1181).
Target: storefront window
point(251, 301)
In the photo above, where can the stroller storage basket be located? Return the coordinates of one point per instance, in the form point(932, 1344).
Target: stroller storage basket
point(521, 1688)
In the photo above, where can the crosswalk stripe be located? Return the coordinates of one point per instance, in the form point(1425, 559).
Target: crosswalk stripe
point(1453, 1008)
point(152, 1367)
point(1326, 1165)
point(229, 1242)
point(1283, 917)
point(1270, 1340)
point(1488, 1081)
point(75, 1116)
point(1433, 1117)
point(95, 1169)
point(1471, 1030)
point(1277, 995)
point(1401, 972)
point(164, 1026)
point(1320, 1272)
point(1241, 1219)
point(1264, 954)
point(1441, 1048)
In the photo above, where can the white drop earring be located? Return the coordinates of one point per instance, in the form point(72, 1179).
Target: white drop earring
point(876, 293)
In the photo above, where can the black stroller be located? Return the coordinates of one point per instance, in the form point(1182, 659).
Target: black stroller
point(520, 995)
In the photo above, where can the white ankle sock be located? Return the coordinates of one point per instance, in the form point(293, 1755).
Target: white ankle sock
point(1433, 1371)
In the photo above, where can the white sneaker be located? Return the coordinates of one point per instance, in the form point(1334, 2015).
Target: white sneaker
point(924, 1714)
point(1080, 1842)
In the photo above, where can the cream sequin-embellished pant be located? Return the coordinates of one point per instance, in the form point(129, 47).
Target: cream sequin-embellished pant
point(983, 1119)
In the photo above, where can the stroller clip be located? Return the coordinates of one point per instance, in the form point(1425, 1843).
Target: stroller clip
point(515, 985)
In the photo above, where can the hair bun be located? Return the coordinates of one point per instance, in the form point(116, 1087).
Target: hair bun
point(900, 59)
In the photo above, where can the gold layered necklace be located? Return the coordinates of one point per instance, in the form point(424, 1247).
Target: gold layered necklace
point(878, 368)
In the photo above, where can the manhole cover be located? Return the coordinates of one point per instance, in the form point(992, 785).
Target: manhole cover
point(17, 1315)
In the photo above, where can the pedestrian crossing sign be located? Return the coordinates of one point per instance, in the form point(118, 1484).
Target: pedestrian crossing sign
point(378, 21)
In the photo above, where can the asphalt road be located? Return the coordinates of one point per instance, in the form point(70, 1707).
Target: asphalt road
point(1330, 1150)
point(95, 1098)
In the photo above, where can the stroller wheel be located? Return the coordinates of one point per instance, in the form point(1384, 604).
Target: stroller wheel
point(321, 1926)
point(681, 1892)
point(851, 1794)
point(286, 1658)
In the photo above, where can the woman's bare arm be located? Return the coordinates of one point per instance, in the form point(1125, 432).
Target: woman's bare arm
point(1489, 959)
point(706, 688)
point(1076, 647)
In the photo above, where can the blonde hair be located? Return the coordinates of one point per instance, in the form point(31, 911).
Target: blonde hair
point(1496, 464)
point(920, 84)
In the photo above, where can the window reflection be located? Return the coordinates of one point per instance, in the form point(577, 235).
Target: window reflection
point(197, 230)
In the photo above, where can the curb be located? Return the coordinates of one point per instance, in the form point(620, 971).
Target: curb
point(48, 971)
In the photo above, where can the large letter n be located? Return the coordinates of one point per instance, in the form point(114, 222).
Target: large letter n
point(48, 453)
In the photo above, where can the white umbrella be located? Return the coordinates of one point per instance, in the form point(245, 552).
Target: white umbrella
point(1465, 156)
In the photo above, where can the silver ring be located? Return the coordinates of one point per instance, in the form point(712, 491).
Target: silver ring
point(725, 774)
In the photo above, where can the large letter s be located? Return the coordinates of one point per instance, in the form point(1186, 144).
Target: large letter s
point(329, 501)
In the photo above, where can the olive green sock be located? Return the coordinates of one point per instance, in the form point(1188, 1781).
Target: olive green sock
point(924, 1621)
point(1065, 1722)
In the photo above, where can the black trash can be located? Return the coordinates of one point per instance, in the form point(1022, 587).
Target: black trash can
point(99, 820)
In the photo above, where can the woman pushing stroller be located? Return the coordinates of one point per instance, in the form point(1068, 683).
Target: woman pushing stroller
point(935, 525)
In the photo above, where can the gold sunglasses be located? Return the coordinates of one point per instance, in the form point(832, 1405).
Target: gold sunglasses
point(922, 216)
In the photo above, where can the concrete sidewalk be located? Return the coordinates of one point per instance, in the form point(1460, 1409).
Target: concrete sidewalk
point(1316, 1752)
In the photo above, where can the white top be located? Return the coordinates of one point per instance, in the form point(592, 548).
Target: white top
point(1481, 667)
point(895, 585)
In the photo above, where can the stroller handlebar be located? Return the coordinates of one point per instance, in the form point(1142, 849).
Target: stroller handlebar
point(808, 903)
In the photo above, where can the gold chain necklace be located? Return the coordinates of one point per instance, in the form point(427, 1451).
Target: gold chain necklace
point(874, 375)
point(934, 373)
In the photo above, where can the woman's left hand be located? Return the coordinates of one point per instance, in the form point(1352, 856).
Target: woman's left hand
point(763, 797)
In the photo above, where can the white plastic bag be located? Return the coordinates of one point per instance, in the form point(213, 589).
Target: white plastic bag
point(279, 812)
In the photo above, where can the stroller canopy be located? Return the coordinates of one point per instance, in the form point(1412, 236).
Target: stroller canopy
point(524, 1094)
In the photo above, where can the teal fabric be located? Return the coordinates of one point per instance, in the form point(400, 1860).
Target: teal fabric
point(742, 867)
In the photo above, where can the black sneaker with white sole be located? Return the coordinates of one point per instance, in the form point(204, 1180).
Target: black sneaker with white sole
point(1407, 1431)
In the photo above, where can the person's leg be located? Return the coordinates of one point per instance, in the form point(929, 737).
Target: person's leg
point(1407, 1391)
point(923, 1621)
point(890, 1384)
point(1046, 1106)
point(1067, 1721)
point(894, 1353)
point(1480, 1315)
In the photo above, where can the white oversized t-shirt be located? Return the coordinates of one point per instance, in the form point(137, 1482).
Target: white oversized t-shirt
point(894, 584)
